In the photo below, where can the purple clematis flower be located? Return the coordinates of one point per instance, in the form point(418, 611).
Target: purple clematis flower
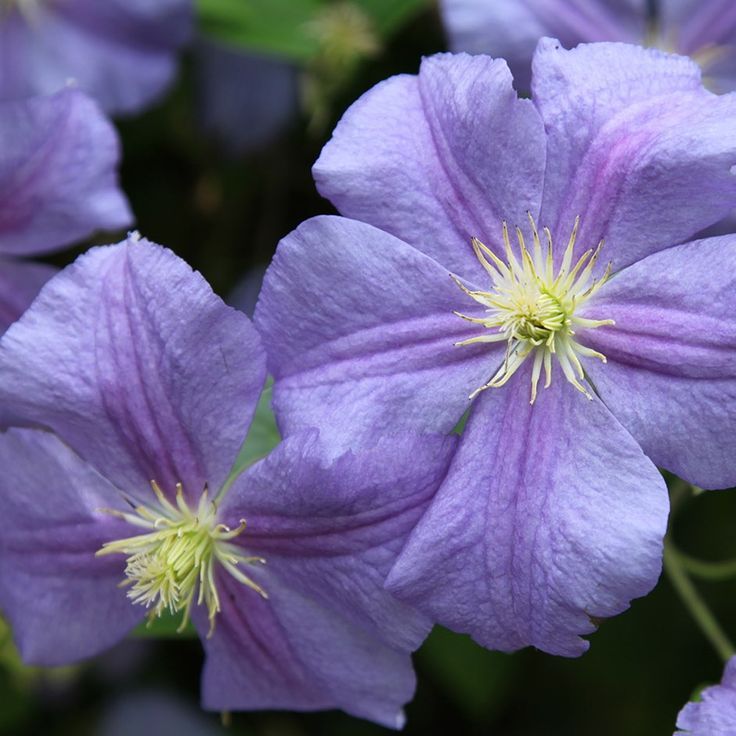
point(714, 713)
point(58, 184)
point(586, 364)
point(137, 385)
point(122, 52)
point(702, 29)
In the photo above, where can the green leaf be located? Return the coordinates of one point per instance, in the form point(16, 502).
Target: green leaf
point(262, 437)
point(286, 28)
point(390, 15)
point(278, 27)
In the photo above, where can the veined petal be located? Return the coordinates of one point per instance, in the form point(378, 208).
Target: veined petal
point(550, 516)
point(438, 158)
point(639, 150)
point(63, 603)
point(361, 334)
point(58, 173)
point(20, 282)
point(671, 372)
point(292, 652)
point(132, 360)
point(332, 529)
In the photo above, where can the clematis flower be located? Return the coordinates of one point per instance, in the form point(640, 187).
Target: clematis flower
point(702, 29)
point(137, 385)
point(588, 345)
point(58, 185)
point(714, 713)
point(122, 52)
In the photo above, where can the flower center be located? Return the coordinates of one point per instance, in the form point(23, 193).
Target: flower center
point(533, 308)
point(176, 560)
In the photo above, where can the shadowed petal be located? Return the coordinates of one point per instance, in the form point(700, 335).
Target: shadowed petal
point(58, 173)
point(510, 29)
point(291, 652)
point(379, 352)
point(20, 282)
point(63, 603)
point(438, 158)
point(639, 150)
point(671, 372)
point(550, 516)
point(714, 713)
point(132, 360)
point(333, 528)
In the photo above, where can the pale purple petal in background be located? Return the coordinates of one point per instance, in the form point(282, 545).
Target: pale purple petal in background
point(510, 29)
point(59, 157)
point(121, 52)
point(714, 712)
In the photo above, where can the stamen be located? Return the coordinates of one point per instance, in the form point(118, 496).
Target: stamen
point(533, 308)
point(175, 561)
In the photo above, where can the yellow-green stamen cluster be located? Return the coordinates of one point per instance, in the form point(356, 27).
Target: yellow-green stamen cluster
point(175, 561)
point(533, 308)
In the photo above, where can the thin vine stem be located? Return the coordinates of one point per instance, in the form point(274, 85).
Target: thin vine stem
point(691, 598)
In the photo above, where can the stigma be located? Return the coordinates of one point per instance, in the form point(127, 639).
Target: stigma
point(532, 307)
point(174, 563)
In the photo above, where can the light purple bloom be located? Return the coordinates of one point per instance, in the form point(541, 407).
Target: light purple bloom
point(58, 184)
point(553, 512)
point(714, 713)
point(702, 29)
point(145, 383)
point(122, 52)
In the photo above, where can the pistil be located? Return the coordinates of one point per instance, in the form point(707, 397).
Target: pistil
point(175, 561)
point(532, 307)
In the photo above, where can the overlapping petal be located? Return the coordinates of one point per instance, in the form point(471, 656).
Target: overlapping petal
point(64, 603)
point(639, 150)
point(58, 173)
point(342, 522)
point(131, 359)
point(509, 29)
point(20, 282)
point(292, 652)
point(551, 516)
point(380, 351)
point(121, 53)
point(438, 158)
point(671, 372)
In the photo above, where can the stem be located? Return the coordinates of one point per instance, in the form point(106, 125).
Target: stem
point(692, 600)
point(708, 570)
